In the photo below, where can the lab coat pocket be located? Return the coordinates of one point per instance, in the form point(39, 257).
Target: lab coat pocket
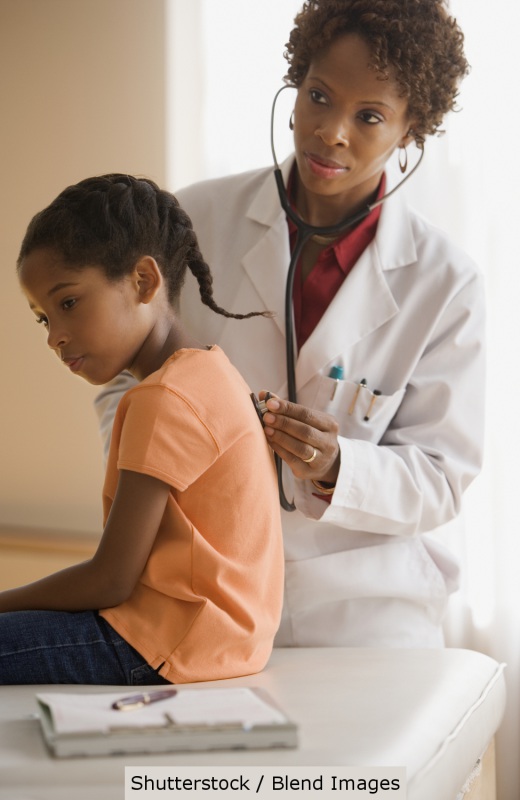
point(360, 412)
point(392, 593)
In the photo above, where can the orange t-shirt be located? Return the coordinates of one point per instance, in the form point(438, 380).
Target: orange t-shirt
point(208, 603)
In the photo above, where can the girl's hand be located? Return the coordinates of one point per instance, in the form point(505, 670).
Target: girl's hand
point(305, 439)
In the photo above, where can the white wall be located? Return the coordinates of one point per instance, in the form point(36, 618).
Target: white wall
point(81, 92)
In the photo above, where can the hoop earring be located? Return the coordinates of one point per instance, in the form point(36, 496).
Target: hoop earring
point(403, 165)
point(291, 121)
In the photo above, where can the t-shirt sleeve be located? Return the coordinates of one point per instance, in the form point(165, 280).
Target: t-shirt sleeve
point(163, 436)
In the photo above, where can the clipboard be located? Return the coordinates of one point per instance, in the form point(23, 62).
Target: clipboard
point(196, 719)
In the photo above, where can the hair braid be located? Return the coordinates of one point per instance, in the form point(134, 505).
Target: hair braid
point(113, 220)
point(201, 271)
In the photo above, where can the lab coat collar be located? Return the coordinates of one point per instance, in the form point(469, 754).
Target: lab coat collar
point(262, 208)
point(269, 257)
point(362, 304)
point(365, 301)
point(394, 241)
point(394, 228)
point(348, 319)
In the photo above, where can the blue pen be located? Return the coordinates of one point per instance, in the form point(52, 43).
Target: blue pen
point(336, 373)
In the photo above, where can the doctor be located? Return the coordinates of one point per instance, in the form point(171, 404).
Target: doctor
point(386, 433)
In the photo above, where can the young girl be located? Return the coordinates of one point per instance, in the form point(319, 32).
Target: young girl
point(186, 584)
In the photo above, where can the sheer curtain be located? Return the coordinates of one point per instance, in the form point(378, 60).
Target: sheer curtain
point(226, 63)
point(225, 68)
point(468, 186)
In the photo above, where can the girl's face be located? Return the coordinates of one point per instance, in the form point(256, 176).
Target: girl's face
point(347, 123)
point(95, 326)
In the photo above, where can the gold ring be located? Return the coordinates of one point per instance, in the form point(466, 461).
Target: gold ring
point(314, 454)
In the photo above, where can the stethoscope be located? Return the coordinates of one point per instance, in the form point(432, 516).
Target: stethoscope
point(304, 232)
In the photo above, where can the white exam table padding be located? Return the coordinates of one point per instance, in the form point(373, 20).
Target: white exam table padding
point(432, 711)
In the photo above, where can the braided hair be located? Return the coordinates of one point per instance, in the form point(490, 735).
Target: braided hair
point(111, 221)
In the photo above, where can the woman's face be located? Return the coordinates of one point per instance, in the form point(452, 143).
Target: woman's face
point(347, 123)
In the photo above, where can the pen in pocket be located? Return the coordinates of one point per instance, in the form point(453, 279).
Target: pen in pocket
point(361, 385)
point(336, 373)
point(375, 394)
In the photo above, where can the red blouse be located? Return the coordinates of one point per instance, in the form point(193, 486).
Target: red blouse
point(312, 297)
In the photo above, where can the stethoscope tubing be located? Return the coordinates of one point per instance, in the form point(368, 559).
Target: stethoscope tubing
point(304, 232)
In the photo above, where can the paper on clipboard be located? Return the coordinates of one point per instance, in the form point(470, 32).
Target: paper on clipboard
point(196, 718)
point(82, 713)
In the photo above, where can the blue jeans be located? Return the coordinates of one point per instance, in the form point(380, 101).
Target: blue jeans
point(68, 647)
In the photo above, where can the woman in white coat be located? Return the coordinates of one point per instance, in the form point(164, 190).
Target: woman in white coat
point(386, 433)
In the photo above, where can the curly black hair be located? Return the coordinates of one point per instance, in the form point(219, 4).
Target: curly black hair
point(417, 40)
point(111, 221)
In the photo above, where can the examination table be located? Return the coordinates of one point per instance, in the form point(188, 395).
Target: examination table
point(434, 712)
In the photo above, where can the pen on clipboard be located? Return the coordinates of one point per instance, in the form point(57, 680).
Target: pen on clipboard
point(134, 701)
point(361, 385)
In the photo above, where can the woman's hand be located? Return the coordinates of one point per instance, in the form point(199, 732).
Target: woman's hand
point(305, 439)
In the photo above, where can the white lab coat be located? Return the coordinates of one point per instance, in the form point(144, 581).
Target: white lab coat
point(364, 570)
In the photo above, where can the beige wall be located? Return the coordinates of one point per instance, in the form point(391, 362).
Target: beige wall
point(81, 92)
